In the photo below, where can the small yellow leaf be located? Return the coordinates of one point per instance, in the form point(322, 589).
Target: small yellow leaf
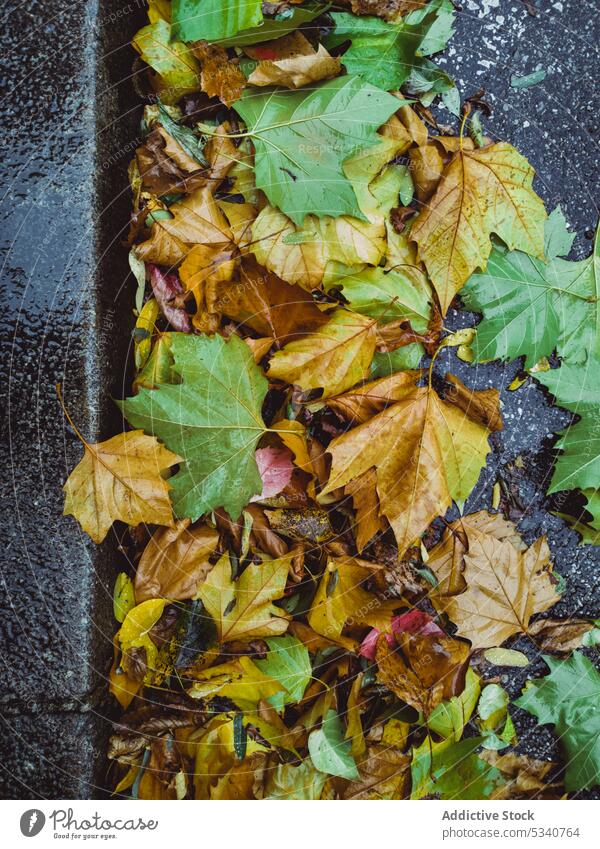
point(244, 608)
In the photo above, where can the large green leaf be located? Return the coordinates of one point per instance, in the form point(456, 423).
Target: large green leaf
point(531, 308)
point(449, 770)
point(213, 416)
point(237, 22)
point(329, 751)
point(384, 53)
point(576, 387)
point(288, 662)
point(568, 698)
point(302, 139)
point(213, 20)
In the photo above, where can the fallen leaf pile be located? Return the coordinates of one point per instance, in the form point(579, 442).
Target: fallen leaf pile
point(311, 607)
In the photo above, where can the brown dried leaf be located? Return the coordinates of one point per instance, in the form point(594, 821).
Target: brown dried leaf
point(363, 491)
point(270, 306)
point(527, 777)
point(426, 166)
point(361, 404)
point(196, 219)
point(384, 774)
point(505, 587)
point(203, 272)
point(446, 560)
point(220, 76)
point(425, 670)
point(482, 406)
point(292, 62)
point(175, 562)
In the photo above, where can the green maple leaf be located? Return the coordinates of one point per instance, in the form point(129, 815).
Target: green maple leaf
point(451, 770)
point(302, 138)
point(213, 415)
point(384, 53)
point(568, 698)
point(531, 308)
point(236, 22)
point(590, 529)
point(576, 388)
point(329, 751)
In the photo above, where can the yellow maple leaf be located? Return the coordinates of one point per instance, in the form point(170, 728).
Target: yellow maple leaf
point(301, 255)
point(244, 608)
point(482, 191)
point(426, 451)
point(334, 357)
point(120, 479)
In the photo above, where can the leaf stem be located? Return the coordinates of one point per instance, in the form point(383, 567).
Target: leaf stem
point(82, 439)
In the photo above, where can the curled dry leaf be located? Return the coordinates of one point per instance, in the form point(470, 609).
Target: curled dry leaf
point(167, 289)
point(120, 479)
point(220, 76)
point(483, 191)
point(292, 62)
point(482, 406)
point(426, 169)
point(447, 558)
point(361, 404)
point(426, 453)
point(363, 491)
point(504, 587)
point(175, 562)
point(203, 272)
point(527, 777)
point(165, 167)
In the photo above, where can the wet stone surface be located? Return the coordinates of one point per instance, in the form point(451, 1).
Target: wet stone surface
point(69, 133)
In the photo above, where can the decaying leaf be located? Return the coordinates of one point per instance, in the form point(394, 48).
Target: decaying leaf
point(220, 77)
point(425, 670)
point(175, 562)
point(292, 62)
